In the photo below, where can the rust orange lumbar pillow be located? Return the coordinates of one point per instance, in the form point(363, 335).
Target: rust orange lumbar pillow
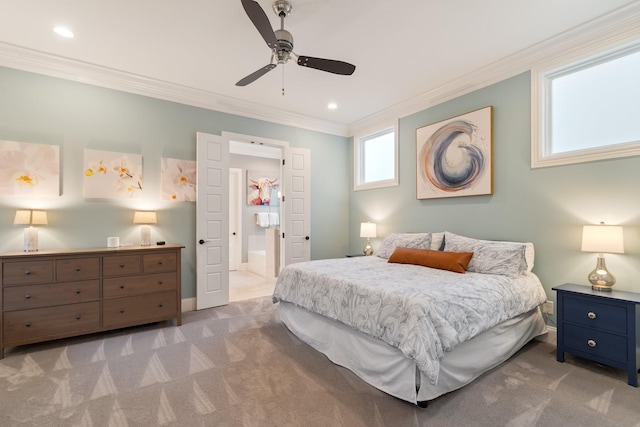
point(452, 261)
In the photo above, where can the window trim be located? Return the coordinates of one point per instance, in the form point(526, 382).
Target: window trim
point(541, 78)
point(358, 154)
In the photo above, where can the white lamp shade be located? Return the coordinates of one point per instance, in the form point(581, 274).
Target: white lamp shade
point(39, 218)
point(22, 217)
point(367, 229)
point(28, 217)
point(145, 217)
point(602, 238)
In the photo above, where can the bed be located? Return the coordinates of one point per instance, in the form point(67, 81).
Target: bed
point(407, 328)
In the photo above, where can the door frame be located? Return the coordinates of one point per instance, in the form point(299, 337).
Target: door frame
point(237, 191)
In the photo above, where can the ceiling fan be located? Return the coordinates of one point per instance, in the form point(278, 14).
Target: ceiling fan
point(281, 44)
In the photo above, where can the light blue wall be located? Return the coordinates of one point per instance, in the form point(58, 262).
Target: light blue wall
point(546, 206)
point(75, 116)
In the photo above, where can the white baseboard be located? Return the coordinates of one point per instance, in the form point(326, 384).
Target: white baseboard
point(188, 304)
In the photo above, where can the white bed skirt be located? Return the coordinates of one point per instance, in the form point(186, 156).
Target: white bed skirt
point(387, 369)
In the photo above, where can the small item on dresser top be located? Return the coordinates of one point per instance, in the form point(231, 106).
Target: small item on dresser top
point(262, 219)
point(160, 243)
point(128, 244)
point(113, 242)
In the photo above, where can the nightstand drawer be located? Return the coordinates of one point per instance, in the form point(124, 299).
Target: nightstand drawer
point(595, 314)
point(595, 343)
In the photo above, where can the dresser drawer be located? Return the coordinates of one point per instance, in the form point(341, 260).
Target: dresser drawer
point(157, 263)
point(135, 285)
point(603, 344)
point(120, 265)
point(33, 296)
point(595, 314)
point(77, 268)
point(27, 272)
point(32, 325)
point(139, 309)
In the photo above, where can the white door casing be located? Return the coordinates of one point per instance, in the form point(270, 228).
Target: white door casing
point(235, 218)
point(212, 221)
point(297, 205)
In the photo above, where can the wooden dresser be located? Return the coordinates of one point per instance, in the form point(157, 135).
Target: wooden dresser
point(63, 293)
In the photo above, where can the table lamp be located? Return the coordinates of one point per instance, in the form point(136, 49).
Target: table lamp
point(602, 239)
point(30, 218)
point(145, 217)
point(368, 230)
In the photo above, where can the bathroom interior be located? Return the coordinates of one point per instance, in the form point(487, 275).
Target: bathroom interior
point(254, 223)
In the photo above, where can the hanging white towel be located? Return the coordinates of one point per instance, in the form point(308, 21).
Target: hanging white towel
point(274, 219)
point(262, 219)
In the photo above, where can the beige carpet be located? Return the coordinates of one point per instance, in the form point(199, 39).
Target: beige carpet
point(238, 365)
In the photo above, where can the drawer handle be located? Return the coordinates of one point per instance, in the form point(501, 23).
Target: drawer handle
point(160, 282)
point(77, 268)
point(78, 317)
point(27, 296)
point(160, 305)
point(122, 311)
point(159, 262)
point(28, 324)
point(121, 286)
point(121, 265)
point(591, 343)
point(27, 273)
point(591, 315)
point(78, 291)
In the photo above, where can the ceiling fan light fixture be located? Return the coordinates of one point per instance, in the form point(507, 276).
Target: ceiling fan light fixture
point(332, 106)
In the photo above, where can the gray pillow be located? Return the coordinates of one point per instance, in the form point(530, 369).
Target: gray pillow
point(489, 257)
point(405, 240)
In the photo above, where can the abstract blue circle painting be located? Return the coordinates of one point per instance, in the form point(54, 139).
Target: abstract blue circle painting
point(454, 156)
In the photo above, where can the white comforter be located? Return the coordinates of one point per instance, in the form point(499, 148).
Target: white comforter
point(424, 312)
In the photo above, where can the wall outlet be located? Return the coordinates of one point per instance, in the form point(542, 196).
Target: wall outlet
point(547, 307)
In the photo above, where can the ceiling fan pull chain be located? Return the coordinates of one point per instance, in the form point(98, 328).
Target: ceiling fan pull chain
point(283, 80)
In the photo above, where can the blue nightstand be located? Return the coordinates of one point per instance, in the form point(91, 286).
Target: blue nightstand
point(599, 326)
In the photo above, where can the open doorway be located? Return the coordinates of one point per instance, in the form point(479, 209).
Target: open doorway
point(254, 218)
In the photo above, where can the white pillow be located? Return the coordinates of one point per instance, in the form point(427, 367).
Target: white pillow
point(489, 257)
point(405, 240)
point(436, 241)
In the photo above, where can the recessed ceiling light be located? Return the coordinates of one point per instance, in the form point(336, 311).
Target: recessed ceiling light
point(63, 31)
point(332, 106)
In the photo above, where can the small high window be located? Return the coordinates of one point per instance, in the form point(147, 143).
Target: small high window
point(376, 160)
point(587, 109)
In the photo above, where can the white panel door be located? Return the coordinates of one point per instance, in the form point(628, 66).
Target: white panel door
point(297, 205)
point(212, 222)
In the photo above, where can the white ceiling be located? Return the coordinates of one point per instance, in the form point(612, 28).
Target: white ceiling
point(196, 50)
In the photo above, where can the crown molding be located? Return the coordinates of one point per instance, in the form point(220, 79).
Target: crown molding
point(616, 28)
point(24, 59)
point(610, 29)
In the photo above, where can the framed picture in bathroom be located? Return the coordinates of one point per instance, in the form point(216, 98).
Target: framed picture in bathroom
point(262, 187)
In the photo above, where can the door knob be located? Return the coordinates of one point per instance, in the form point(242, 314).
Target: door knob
point(306, 238)
point(234, 233)
point(201, 242)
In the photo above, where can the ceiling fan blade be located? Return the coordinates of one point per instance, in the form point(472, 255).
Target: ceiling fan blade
point(256, 75)
point(261, 22)
point(329, 65)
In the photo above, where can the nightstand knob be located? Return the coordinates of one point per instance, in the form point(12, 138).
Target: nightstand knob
point(591, 315)
point(591, 343)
